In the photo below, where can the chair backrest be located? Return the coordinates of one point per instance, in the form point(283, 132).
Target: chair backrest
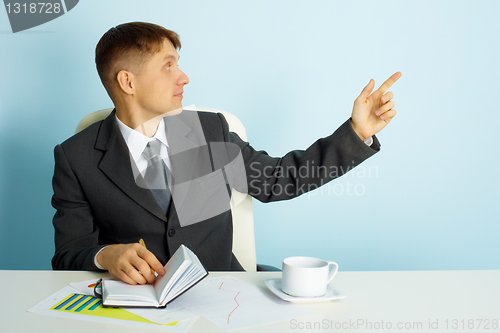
point(243, 228)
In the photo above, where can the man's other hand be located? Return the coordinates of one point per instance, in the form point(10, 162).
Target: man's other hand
point(371, 113)
point(131, 263)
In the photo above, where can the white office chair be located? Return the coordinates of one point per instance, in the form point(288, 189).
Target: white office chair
point(243, 229)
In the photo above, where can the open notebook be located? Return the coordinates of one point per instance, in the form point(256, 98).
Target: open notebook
point(183, 271)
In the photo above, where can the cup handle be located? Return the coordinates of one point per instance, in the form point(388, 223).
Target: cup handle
point(333, 271)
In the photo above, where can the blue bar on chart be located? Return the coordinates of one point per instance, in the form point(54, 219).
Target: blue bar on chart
point(93, 307)
point(91, 299)
point(60, 306)
point(78, 301)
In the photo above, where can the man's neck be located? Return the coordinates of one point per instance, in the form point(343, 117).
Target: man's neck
point(138, 121)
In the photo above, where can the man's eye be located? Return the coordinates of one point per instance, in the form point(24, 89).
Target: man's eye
point(168, 67)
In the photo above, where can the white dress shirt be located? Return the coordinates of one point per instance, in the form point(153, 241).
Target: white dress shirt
point(137, 142)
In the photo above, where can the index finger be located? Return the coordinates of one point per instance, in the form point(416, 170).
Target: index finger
point(151, 259)
point(389, 82)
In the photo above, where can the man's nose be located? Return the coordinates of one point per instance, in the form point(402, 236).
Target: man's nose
point(183, 79)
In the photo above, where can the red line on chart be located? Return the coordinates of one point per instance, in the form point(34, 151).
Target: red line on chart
point(229, 315)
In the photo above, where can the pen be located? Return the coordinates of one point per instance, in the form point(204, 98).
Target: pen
point(141, 241)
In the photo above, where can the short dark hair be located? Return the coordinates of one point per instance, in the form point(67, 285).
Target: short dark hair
point(134, 43)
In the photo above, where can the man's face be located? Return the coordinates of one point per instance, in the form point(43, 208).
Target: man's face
point(160, 82)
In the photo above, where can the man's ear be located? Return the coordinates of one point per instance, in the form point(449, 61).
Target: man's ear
point(126, 81)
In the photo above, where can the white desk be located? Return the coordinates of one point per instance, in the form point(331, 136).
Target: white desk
point(412, 299)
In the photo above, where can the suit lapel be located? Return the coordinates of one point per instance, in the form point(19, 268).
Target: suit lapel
point(117, 165)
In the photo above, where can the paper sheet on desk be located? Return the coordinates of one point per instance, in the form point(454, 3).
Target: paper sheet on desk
point(72, 303)
point(233, 304)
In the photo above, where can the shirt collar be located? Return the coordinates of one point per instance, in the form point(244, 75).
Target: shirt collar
point(136, 142)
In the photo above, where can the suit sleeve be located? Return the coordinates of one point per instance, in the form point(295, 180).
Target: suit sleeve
point(299, 171)
point(76, 237)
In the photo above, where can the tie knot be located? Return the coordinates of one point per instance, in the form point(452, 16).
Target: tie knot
point(152, 149)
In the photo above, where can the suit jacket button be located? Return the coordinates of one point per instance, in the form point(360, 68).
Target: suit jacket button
point(171, 233)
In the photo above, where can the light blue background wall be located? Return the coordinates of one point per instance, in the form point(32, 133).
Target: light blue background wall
point(290, 70)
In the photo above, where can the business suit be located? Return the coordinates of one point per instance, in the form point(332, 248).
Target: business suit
point(99, 203)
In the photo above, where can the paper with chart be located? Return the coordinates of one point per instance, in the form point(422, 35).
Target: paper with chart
point(72, 303)
point(232, 304)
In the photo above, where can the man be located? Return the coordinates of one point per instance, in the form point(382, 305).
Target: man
point(102, 212)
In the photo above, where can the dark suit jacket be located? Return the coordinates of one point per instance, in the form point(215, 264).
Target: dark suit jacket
point(99, 203)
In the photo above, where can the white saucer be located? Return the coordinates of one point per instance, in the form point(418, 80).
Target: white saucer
point(332, 293)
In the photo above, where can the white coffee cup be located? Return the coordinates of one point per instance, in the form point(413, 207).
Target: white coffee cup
point(306, 276)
